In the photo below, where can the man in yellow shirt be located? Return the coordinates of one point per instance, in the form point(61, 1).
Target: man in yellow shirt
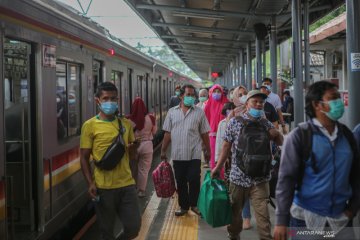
point(113, 190)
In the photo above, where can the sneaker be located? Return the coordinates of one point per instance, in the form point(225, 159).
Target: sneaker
point(246, 224)
point(196, 210)
point(141, 194)
point(180, 212)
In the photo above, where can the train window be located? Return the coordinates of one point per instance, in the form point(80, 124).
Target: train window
point(139, 83)
point(97, 74)
point(68, 99)
point(116, 78)
point(164, 91)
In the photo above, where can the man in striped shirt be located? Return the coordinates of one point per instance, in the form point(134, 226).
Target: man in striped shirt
point(185, 128)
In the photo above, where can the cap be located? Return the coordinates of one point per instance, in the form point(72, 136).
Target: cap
point(254, 93)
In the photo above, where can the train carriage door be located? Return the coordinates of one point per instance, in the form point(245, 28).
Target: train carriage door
point(20, 142)
point(138, 88)
point(2, 150)
point(97, 79)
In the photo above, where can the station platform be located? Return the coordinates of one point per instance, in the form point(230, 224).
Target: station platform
point(160, 223)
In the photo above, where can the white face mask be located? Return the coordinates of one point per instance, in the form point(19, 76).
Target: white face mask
point(243, 99)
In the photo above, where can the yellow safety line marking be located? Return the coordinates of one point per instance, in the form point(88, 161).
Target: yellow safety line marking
point(148, 216)
point(179, 228)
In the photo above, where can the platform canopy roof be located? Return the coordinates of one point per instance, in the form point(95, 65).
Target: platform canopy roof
point(207, 35)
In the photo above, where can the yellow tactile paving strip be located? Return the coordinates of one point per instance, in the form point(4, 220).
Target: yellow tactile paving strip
point(179, 228)
point(148, 217)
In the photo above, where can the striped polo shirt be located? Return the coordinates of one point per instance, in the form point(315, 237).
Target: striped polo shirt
point(186, 130)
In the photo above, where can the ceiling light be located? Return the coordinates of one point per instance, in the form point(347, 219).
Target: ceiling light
point(199, 15)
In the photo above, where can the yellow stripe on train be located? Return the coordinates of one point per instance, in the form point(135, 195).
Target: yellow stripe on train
point(61, 174)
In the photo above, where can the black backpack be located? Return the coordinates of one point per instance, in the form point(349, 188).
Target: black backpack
point(306, 134)
point(254, 151)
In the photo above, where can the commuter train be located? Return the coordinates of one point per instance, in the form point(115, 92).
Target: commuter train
point(52, 60)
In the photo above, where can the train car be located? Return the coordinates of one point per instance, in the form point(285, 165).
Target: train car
point(52, 60)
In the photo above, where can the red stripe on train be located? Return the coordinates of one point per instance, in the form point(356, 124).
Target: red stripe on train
point(62, 159)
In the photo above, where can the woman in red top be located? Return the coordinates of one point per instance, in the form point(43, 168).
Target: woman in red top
point(144, 128)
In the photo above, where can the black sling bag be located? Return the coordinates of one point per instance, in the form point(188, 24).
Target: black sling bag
point(114, 152)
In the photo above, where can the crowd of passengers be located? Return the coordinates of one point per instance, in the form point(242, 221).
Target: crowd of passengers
point(318, 180)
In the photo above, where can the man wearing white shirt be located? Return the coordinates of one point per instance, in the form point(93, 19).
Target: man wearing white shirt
point(274, 99)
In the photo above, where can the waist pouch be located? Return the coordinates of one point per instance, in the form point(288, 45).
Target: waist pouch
point(113, 153)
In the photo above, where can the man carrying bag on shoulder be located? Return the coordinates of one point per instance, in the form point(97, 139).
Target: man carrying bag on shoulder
point(248, 138)
point(111, 186)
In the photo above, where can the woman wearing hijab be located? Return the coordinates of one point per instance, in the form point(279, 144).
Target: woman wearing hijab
point(145, 128)
point(213, 114)
point(239, 99)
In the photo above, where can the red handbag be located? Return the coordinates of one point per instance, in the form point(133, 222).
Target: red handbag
point(163, 179)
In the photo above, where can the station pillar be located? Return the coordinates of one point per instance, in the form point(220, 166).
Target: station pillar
point(353, 59)
point(263, 49)
point(242, 67)
point(273, 54)
point(306, 44)
point(249, 67)
point(296, 59)
point(258, 66)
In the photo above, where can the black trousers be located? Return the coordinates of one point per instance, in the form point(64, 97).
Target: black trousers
point(187, 175)
point(122, 203)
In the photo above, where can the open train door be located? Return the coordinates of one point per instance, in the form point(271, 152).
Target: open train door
point(2, 151)
point(18, 140)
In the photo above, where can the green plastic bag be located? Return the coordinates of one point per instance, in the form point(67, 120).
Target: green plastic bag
point(214, 203)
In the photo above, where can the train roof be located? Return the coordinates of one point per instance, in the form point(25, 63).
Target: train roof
point(73, 19)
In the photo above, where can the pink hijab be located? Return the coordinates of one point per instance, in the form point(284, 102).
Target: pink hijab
point(213, 108)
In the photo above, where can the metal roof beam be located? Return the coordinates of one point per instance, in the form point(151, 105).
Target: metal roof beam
point(215, 13)
point(233, 55)
point(201, 50)
point(208, 58)
point(198, 45)
point(207, 54)
point(197, 29)
point(215, 40)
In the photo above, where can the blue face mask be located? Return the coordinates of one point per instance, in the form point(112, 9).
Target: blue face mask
point(216, 96)
point(177, 93)
point(336, 109)
point(255, 113)
point(108, 108)
point(189, 101)
point(72, 101)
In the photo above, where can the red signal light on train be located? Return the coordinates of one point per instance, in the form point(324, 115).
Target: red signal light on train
point(215, 74)
point(112, 51)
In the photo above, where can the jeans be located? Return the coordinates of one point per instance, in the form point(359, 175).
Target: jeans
point(246, 210)
point(121, 202)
